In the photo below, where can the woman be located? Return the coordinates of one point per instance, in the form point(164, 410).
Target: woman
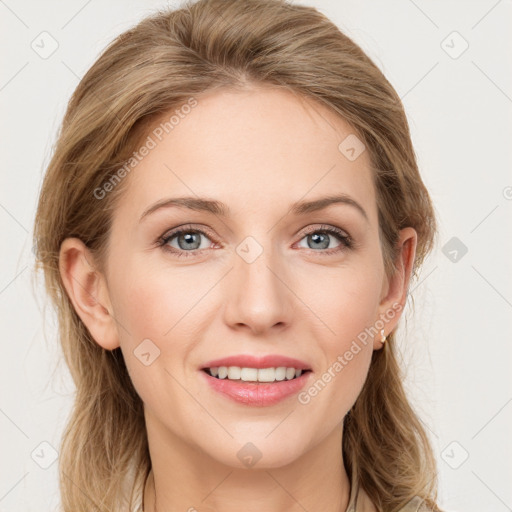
point(228, 228)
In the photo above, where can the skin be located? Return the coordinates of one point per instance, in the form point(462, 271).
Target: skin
point(258, 151)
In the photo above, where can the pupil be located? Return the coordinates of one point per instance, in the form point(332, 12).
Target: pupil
point(189, 238)
point(316, 238)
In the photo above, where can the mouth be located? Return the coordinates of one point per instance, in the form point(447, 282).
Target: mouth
point(256, 380)
point(255, 375)
point(258, 387)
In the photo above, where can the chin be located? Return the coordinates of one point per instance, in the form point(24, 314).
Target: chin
point(254, 452)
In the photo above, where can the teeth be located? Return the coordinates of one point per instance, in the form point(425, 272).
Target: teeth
point(281, 373)
point(234, 372)
point(255, 374)
point(289, 373)
point(266, 375)
point(249, 374)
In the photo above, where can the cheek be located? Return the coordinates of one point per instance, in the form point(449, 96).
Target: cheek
point(151, 312)
point(343, 300)
point(163, 305)
point(150, 300)
point(344, 305)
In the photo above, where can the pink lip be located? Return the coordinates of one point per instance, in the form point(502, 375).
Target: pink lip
point(259, 394)
point(267, 361)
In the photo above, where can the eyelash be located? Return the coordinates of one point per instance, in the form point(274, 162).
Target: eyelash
point(346, 240)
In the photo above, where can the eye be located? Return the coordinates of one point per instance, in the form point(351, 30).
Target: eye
point(320, 238)
point(185, 241)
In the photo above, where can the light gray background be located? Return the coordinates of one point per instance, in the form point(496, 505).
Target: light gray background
point(457, 347)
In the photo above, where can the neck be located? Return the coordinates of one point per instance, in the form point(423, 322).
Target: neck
point(182, 478)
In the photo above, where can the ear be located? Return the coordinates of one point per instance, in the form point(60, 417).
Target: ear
point(394, 289)
point(88, 292)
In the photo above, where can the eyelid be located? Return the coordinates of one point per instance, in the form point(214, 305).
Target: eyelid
point(343, 236)
point(200, 228)
point(184, 228)
point(326, 227)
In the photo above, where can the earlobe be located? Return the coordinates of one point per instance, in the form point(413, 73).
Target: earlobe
point(88, 292)
point(395, 292)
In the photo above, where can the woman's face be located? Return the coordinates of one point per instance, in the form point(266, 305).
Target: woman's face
point(263, 277)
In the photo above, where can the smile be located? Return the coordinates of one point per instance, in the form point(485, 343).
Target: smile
point(247, 374)
point(256, 393)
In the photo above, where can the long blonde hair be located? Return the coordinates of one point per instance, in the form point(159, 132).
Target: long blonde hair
point(156, 66)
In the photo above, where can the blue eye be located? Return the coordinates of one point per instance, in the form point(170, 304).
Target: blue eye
point(188, 240)
point(321, 237)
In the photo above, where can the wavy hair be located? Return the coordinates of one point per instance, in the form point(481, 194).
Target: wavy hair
point(167, 58)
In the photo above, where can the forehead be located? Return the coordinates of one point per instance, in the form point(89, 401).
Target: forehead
point(251, 149)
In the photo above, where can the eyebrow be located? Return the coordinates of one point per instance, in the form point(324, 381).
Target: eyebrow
point(219, 208)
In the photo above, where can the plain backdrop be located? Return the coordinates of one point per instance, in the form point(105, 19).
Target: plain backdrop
point(450, 63)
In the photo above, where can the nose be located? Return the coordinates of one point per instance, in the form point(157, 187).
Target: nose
point(258, 296)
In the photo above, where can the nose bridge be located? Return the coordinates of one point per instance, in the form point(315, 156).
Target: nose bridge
point(258, 296)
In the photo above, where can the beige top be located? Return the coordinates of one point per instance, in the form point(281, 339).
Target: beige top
point(359, 501)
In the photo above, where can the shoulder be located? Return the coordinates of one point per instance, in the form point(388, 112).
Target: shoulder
point(362, 503)
point(417, 504)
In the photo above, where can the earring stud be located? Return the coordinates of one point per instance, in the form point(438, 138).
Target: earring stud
point(383, 338)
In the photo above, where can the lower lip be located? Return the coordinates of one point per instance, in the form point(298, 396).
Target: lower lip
point(257, 393)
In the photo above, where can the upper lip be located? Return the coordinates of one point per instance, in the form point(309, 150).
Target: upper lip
point(265, 361)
